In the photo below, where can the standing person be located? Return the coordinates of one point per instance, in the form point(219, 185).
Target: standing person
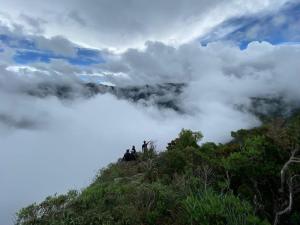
point(133, 153)
point(145, 146)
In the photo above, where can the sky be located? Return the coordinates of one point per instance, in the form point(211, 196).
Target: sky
point(226, 52)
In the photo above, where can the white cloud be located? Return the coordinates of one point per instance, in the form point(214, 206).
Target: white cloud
point(121, 24)
point(57, 44)
point(34, 25)
point(6, 55)
point(260, 69)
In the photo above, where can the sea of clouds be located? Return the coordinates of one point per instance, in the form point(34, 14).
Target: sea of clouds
point(50, 145)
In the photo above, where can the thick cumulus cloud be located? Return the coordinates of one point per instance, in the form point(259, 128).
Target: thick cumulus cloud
point(260, 70)
point(120, 24)
point(222, 79)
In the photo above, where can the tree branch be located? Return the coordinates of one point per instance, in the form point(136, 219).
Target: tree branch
point(286, 166)
point(292, 190)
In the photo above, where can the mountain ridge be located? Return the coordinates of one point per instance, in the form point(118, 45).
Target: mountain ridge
point(236, 183)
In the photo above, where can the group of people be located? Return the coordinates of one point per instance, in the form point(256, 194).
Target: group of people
point(132, 155)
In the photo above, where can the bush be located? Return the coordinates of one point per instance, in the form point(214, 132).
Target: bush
point(210, 208)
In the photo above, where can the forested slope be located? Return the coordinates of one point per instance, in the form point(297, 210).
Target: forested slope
point(252, 180)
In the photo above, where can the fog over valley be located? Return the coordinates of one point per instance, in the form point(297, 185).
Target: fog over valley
point(77, 87)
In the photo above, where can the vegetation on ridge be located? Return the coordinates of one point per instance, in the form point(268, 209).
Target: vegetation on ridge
point(252, 180)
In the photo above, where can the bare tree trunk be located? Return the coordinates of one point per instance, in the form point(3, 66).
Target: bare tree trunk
point(292, 159)
point(291, 191)
point(287, 209)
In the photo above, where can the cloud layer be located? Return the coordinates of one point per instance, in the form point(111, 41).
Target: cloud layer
point(121, 24)
point(55, 136)
point(49, 145)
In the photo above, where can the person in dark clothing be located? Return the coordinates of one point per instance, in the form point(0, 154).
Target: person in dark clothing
point(127, 156)
point(133, 153)
point(145, 146)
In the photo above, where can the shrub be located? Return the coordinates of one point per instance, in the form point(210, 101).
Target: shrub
point(210, 208)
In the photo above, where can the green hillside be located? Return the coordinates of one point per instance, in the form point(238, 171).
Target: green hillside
point(251, 180)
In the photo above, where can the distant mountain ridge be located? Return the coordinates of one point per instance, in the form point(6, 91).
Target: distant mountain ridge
point(167, 96)
point(164, 96)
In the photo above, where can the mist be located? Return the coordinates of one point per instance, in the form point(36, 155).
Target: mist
point(63, 144)
point(50, 145)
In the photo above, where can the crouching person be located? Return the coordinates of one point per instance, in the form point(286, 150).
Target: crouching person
point(127, 156)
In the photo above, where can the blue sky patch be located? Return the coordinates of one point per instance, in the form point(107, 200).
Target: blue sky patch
point(83, 58)
point(14, 42)
point(278, 27)
point(27, 56)
point(27, 52)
